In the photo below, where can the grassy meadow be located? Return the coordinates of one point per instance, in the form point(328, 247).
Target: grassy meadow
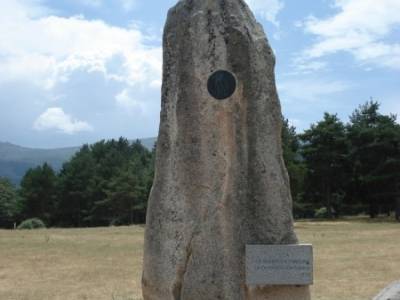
point(354, 259)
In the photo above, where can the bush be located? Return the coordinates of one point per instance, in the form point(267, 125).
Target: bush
point(34, 223)
point(303, 210)
point(321, 213)
point(354, 209)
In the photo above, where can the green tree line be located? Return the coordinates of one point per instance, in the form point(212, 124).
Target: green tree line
point(345, 169)
point(335, 169)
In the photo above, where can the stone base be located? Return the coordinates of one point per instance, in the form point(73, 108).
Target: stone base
point(279, 293)
point(391, 292)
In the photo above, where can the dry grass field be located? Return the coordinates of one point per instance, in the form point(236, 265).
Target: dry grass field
point(354, 259)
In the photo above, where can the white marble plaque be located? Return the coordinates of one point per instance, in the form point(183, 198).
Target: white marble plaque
point(279, 265)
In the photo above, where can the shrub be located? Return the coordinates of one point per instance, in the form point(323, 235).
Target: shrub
point(303, 210)
point(321, 213)
point(34, 223)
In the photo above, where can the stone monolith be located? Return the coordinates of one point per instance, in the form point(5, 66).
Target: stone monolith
point(220, 180)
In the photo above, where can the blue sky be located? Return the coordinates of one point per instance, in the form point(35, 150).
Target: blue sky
point(77, 71)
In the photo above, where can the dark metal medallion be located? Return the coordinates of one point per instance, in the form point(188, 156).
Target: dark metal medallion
point(221, 84)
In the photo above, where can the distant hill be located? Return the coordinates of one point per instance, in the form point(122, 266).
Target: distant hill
point(148, 142)
point(16, 160)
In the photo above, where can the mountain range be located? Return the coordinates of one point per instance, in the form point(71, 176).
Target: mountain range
point(16, 160)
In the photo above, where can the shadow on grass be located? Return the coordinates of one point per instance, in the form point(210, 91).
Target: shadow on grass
point(355, 219)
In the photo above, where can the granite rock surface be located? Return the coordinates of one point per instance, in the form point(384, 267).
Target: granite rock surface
point(391, 292)
point(220, 180)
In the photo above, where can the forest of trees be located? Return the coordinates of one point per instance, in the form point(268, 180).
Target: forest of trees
point(335, 169)
point(106, 183)
point(341, 169)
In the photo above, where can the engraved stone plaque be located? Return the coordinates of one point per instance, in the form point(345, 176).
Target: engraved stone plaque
point(279, 265)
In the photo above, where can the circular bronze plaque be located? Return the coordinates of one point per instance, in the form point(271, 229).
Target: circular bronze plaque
point(221, 84)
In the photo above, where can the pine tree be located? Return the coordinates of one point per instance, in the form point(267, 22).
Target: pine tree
point(8, 203)
point(295, 167)
point(324, 151)
point(38, 193)
point(375, 156)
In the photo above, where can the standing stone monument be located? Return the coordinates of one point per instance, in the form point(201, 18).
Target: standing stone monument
point(220, 182)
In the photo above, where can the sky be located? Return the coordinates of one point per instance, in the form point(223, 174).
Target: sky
point(78, 71)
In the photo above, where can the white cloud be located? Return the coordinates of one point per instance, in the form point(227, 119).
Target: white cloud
point(362, 28)
point(309, 90)
point(128, 5)
point(56, 118)
point(126, 101)
point(93, 3)
point(267, 9)
point(295, 122)
point(22, 9)
point(46, 49)
point(305, 66)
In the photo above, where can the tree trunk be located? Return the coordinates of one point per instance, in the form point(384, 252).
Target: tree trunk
point(397, 202)
point(373, 207)
point(373, 212)
point(79, 213)
point(328, 197)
